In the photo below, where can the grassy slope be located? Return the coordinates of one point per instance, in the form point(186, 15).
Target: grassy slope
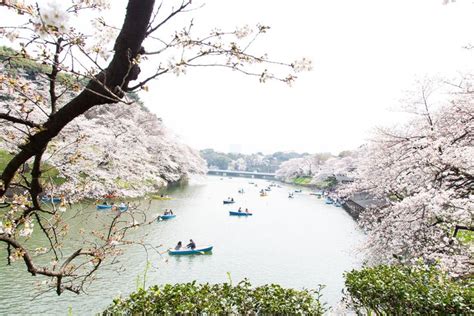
point(302, 180)
point(49, 172)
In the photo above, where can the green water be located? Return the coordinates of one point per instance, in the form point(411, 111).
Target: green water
point(298, 242)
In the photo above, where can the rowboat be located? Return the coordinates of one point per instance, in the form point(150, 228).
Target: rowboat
point(234, 213)
point(50, 200)
point(196, 251)
point(123, 208)
point(103, 206)
point(162, 198)
point(228, 202)
point(167, 216)
point(328, 201)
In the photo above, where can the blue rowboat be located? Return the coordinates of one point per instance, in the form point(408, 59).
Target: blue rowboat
point(103, 206)
point(50, 200)
point(123, 208)
point(196, 251)
point(328, 201)
point(168, 216)
point(337, 204)
point(228, 202)
point(234, 213)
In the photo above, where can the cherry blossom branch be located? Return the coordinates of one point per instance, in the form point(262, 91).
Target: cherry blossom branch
point(13, 119)
point(181, 8)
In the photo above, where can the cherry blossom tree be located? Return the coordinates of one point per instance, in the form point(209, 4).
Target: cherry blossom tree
point(238, 164)
point(318, 167)
point(85, 70)
point(335, 166)
point(293, 168)
point(425, 169)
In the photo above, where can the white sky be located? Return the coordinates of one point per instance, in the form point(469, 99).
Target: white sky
point(366, 54)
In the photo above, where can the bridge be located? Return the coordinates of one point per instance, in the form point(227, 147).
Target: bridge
point(245, 174)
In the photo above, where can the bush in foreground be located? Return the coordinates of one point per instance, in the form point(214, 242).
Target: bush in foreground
point(211, 299)
point(408, 290)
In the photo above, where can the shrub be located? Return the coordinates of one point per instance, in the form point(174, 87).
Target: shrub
point(408, 290)
point(212, 299)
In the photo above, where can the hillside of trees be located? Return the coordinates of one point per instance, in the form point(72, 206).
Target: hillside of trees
point(257, 162)
point(122, 149)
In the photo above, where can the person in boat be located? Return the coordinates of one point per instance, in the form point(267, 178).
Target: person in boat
point(104, 203)
point(171, 212)
point(191, 245)
point(232, 199)
point(122, 205)
point(166, 212)
point(246, 210)
point(178, 246)
point(240, 210)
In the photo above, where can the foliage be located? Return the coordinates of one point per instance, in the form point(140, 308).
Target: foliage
point(215, 159)
point(218, 299)
point(466, 237)
point(5, 157)
point(326, 184)
point(14, 60)
point(135, 97)
point(49, 173)
point(408, 290)
point(302, 180)
point(253, 162)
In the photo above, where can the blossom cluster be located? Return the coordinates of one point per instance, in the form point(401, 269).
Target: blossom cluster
point(425, 169)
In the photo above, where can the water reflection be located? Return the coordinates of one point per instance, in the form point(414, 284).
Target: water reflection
point(299, 242)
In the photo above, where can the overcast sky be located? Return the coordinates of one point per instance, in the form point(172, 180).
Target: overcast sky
point(366, 54)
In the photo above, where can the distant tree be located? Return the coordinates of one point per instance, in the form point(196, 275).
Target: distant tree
point(84, 72)
point(215, 159)
point(252, 162)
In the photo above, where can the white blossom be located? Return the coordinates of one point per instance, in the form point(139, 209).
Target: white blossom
point(425, 169)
